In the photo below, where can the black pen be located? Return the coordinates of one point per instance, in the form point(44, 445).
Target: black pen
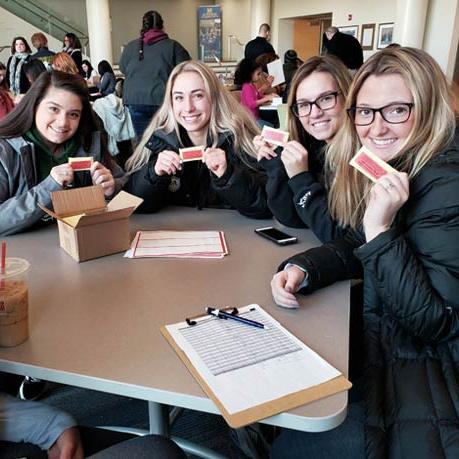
point(225, 315)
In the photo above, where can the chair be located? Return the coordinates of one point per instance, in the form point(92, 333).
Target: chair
point(282, 112)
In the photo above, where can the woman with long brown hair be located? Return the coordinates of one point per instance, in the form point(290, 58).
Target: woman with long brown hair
point(296, 189)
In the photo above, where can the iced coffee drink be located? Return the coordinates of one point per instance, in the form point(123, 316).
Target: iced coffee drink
point(14, 304)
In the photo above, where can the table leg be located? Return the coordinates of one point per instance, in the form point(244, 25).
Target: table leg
point(158, 415)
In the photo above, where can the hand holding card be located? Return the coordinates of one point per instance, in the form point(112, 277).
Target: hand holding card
point(274, 136)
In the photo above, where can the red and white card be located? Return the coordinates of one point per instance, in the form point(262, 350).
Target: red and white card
point(370, 165)
point(274, 136)
point(82, 163)
point(191, 154)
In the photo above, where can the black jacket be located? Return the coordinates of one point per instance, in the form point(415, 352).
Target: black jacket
point(411, 316)
point(345, 47)
point(239, 187)
point(302, 200)
point(145, 82)
point(257, 47)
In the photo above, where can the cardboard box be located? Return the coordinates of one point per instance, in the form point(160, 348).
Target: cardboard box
point(88, 227)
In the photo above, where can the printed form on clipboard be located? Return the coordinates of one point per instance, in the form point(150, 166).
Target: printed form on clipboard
point(252, 373)
point(178, 244)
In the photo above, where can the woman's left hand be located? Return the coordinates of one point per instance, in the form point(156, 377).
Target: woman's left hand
point(215, 159)
point(387, 195)
point(102, 176)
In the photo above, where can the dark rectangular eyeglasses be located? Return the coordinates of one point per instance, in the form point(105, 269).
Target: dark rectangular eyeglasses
point(393, 113)
point(325, 102)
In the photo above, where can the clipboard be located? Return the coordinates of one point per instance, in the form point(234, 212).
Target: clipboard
point(259, 410)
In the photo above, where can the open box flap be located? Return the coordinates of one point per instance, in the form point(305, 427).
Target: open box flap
point(78, 201)
point(79, 221)
point(124, 200)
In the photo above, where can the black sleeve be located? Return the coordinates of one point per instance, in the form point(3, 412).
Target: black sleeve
point(279, 194)
point(310, 201)
point(330, 263)
point(144, 183)
point(244, 189)
point(415, 274)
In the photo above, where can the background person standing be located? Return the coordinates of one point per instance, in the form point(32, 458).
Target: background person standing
point(147, 63)
point(259, 45)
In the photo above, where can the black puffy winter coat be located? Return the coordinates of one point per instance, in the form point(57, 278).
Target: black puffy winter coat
point(411, 316)
point(240, 187)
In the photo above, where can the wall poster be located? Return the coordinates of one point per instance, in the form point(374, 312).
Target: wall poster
point(210, 33)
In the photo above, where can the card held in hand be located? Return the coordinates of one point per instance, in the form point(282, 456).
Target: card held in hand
point(370, 165)
point(191, 154)
point(82, 163)
point(274, 136)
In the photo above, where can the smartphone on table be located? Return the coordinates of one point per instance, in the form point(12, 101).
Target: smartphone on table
point(277, 236)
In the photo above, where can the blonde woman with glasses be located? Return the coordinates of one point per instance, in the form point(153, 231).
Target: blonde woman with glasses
point(295, 188)
point(198, 111)
point(403, 238)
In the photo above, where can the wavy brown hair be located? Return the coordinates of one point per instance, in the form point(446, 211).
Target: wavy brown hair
point(326, 64)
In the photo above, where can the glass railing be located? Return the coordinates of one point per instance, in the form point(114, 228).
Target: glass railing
point(43, 18)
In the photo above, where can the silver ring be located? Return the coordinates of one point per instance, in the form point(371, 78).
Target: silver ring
point(388, 186)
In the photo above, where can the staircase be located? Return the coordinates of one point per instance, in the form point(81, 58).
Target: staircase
point(41, 17)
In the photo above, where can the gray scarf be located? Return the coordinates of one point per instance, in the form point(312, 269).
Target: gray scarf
point(17, 61)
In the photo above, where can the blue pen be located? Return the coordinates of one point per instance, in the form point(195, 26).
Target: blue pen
point(225, 315)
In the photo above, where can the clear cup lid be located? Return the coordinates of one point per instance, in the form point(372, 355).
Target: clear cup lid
point(15, 267)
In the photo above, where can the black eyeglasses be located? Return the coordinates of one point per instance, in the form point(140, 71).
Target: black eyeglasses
point(392, 113)
point(325, 102)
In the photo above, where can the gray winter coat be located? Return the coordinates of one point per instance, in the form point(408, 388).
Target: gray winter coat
point(20, 191)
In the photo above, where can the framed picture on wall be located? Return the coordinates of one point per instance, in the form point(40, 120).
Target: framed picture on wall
point(367, 37)
point(385, 34)
point(350, 30)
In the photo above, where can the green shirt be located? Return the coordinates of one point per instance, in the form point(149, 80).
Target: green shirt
point(45, 158)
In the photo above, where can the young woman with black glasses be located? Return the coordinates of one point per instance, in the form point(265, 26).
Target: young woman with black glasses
point(296, 192)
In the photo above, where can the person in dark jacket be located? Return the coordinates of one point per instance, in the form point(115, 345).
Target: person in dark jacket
point(15, 75)
point(147, 63)
point(107, 82)
point(404, 238)
point(72, 46)
point(344, 46)
point(40, 43)
point(296, 189)
point(260, 44)
point(6, 102)
point(53, 121)
point(197, 111)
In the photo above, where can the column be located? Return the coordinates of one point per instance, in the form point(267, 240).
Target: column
point(99, 31)
point(410, 22)
point(260, 12)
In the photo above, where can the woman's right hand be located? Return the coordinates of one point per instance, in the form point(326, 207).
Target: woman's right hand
point(264, 149)
point(167, 163)
point(285, 284)
point(295, 158)
point(62, 174)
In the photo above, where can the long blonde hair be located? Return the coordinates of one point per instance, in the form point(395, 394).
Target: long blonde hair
point(433, 128)
point(326, 64)
point(227, 116)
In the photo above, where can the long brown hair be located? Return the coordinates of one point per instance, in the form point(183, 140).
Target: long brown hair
point(326, 64)
point(22, 118)
point(433, 128)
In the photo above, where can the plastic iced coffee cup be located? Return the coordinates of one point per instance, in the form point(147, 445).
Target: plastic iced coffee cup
point(14, 302)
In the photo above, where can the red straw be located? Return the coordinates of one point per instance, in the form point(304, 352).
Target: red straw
point(3, 266)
